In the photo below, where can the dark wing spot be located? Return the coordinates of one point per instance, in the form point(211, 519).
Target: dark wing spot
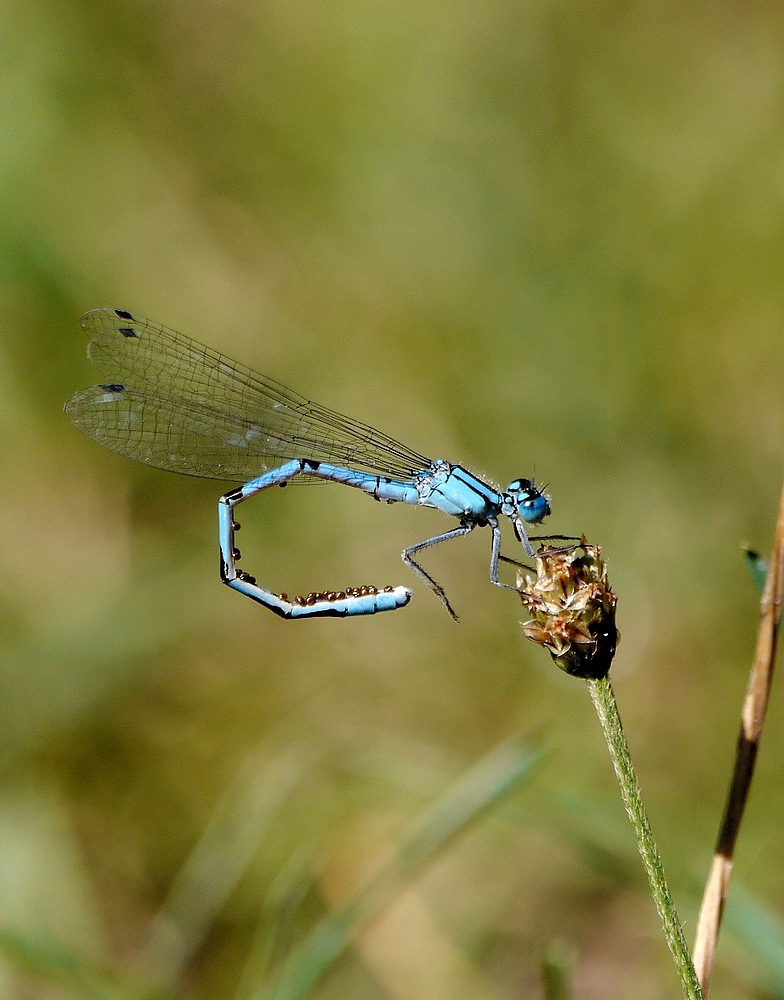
point(128, 331)
point(123, 314)
point(113, 387)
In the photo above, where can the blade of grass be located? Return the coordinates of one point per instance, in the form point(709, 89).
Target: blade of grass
point(757, 567)
point(52, 962)
point(485, 785)
point(557, 967)
point(218, 862)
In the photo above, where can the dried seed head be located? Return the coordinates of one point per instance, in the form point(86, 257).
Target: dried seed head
point(572, 608)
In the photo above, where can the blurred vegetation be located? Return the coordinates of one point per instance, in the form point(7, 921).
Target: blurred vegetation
point(533, 238)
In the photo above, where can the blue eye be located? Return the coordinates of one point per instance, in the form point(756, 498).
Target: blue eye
point(534, 509)
point(531, 501)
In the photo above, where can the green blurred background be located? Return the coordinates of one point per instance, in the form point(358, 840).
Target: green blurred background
point(534, 238)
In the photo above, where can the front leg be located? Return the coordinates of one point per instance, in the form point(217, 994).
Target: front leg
point(437, 589)
point(495, 555)
point(352, 601)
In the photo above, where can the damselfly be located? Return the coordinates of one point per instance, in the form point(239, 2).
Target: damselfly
point(173, 404)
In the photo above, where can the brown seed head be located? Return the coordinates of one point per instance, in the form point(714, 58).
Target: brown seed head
point(572, 608)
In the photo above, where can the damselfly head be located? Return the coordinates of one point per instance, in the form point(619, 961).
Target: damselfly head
point(531, 501)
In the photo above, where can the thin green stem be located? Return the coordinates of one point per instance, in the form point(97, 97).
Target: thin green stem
point(607, 710)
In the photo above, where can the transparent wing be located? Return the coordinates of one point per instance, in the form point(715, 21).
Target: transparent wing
point(174, 404)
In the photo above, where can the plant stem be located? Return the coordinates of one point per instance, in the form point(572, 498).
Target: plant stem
point(607, 710)
point(752, 720)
